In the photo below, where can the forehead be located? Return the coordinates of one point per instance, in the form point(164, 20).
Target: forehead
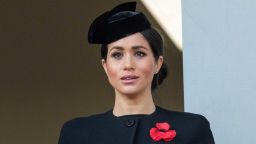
point(136, 39)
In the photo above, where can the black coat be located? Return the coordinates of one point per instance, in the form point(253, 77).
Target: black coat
point(106, 128)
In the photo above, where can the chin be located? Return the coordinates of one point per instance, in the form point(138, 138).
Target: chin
point(129, 91)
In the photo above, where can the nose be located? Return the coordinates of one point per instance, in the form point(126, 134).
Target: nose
point(128, 63)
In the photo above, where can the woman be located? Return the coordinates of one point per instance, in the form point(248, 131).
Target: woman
point(132, 57)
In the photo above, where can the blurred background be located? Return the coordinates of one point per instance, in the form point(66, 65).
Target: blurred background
point(50, 74)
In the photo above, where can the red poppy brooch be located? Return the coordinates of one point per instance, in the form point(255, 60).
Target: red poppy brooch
point(163, 132)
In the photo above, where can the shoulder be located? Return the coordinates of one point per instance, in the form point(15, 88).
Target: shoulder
point(184, 116)
point(190, 126)
point(81, 123)
point(186, 121)
point(76, 129)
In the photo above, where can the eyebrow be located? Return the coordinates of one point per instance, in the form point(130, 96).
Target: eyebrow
point(133, 47)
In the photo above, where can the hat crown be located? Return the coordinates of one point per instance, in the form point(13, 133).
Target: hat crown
point(121, 21)
point(129, 6)
point(121, 16)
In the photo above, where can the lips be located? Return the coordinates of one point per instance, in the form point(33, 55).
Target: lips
point(128, 79)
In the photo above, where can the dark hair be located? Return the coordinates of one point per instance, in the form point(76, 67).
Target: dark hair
point(156, 43)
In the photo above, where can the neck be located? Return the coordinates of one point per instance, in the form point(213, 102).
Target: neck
point(136, 104)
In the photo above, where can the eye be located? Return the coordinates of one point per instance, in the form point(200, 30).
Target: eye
point(117, 55)
point(140, 54)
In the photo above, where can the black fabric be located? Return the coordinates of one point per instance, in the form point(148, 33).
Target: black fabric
point(106, 128)
point(121, 21)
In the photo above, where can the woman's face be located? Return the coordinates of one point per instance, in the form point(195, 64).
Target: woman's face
point(130, 65)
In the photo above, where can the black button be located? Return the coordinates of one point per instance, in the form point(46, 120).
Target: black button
point(130, 123)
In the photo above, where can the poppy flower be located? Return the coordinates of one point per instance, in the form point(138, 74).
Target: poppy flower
point(162, 131)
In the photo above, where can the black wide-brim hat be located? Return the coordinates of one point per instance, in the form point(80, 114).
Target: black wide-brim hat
point(120, 22)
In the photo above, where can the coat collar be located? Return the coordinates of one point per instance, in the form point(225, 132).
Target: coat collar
point(110, 115)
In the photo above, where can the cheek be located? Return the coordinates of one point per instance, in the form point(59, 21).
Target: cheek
point(147, 69)
point(112, 71)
